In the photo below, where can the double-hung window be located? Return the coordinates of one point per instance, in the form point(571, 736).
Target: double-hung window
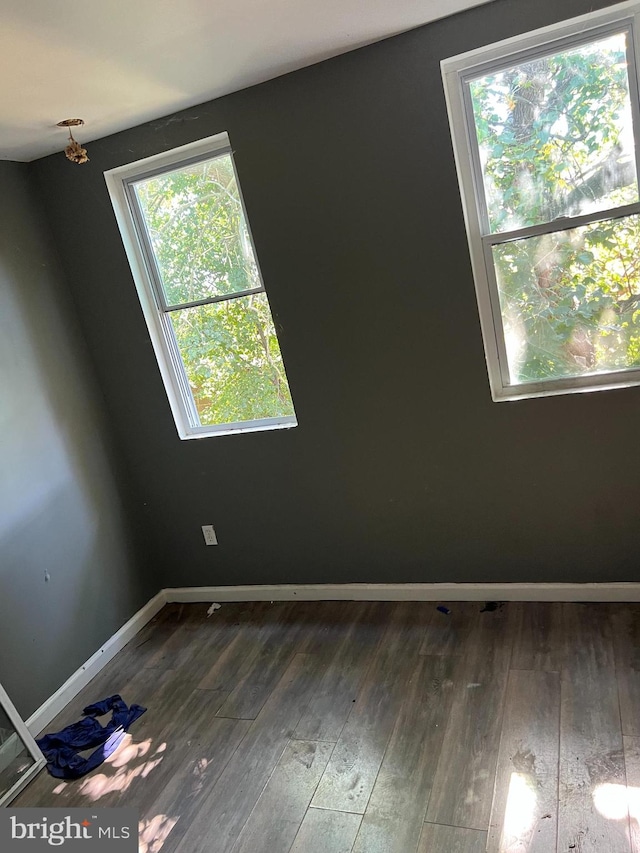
point(186, 235)
point(546, 135)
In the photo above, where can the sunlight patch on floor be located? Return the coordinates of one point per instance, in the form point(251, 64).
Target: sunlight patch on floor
point(154, 832)
point(615, 801)
point(199, 772)
point(128, 753)
point(520, 815)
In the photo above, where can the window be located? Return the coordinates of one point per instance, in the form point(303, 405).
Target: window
point(545, 131)
point(184, 228)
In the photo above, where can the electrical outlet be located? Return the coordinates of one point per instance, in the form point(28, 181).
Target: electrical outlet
point(209, 534)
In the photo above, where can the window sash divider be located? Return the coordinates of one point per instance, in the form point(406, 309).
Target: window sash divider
point(563, 223)
point(225, 297)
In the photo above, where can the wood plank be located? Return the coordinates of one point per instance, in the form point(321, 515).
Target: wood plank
point(229, 804)
point(331, 620)
point(452, 839)
point(277, 816)
point(356, 640)
point(209, 642)
point(525, 803)
point(350, 776)
point(154, 636)
point(325, 831)
point(591, 747)
point(632, 768)
point(193, 715)
point(197, 778)
point(230, 661)
point(463, 784)
point(626, 636)
point(266, 654)
point(186, 790)
point(173, 651)
point(200, 638)
point(395, 814)
point(447, 633)
point(538, 637)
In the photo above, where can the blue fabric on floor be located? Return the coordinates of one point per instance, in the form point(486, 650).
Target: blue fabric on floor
point(61, 748)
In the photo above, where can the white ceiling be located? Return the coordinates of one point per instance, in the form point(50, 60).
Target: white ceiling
point(117, 63)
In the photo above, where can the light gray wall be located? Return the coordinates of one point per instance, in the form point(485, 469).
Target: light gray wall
point(69, 575)
point(401, 468)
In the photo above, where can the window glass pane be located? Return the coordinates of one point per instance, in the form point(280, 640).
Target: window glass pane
point(198, 232)
point(570, 301)
point(555, 135)
point(232, 360)
point(15, 759)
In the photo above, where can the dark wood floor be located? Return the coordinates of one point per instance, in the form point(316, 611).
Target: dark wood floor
point(343, 727)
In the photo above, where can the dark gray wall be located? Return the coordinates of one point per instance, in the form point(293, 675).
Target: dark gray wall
point(402, 468)
point(60, 512)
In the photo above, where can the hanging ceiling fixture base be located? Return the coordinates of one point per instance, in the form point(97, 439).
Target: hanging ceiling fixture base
point(74, 151)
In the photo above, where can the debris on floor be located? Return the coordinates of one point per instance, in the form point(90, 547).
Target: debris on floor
point(62, 749)
point(215, 606)
point(490, 606)
point(443, 609)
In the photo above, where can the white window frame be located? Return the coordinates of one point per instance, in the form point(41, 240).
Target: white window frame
point(14, 745)
point(140, 255)
point(455, 72)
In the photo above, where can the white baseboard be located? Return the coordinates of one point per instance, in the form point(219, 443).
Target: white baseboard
point(323, 592)
point(410, 592)
point(81, 677)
